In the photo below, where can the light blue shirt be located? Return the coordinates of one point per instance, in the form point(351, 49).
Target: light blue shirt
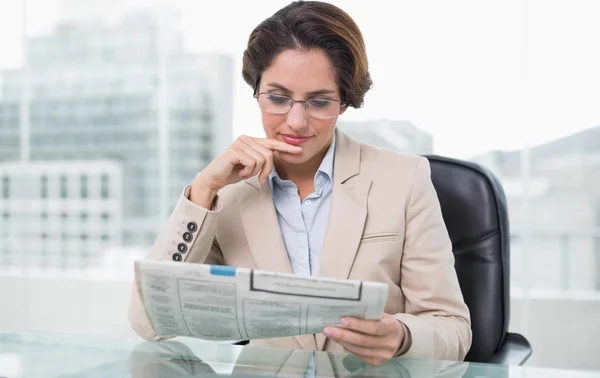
point(303, 223)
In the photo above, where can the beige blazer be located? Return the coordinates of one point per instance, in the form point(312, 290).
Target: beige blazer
point(385, 225)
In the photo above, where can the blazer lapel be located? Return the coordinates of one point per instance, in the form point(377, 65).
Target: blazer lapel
point(261, 228)
point(347, 216)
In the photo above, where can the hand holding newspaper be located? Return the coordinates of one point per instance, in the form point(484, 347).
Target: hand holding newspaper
point(227, 303)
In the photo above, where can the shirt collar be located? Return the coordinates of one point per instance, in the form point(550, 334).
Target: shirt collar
point(326, 166)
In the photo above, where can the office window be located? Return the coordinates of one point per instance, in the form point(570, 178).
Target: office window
point(44, 187)
point(104, 191)
point(596, 244)
point(5, 187)
point(63, 187)
point(83, 185)
point(150, 237)
point(128, 237)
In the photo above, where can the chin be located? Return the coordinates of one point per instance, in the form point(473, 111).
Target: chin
point(294, 159)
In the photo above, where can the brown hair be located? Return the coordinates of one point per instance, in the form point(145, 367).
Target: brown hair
point(310, 25)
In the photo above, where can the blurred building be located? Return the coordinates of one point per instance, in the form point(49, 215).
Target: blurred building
point(59, 215)
point(122, 89)
point(560, 207)
point(400, 136)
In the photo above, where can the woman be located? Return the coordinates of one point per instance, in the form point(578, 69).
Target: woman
point(309, 200)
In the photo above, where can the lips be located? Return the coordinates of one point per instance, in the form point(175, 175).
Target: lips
point(294, 140)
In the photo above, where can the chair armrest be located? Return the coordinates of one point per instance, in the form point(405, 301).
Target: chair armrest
point(514, 351)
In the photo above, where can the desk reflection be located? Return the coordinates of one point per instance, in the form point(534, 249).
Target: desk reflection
point(176, 359)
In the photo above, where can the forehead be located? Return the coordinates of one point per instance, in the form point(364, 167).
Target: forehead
point(301, 71)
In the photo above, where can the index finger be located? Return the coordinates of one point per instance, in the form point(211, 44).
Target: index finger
point(366, 326)
point(278, 145)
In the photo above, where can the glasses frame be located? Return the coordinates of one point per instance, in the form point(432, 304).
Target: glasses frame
point(305, 102)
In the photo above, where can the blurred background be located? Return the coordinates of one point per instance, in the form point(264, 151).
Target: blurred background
point(109, 108)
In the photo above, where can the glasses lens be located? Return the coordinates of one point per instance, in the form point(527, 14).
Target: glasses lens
point(323, 108)
point(274, 103)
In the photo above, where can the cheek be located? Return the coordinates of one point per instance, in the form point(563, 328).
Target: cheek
point(271, 122)
point(324, 126)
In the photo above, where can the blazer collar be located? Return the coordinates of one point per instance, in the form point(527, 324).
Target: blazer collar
point(347, 158)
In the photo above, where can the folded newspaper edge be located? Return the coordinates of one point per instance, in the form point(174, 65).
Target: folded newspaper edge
point(214, 302)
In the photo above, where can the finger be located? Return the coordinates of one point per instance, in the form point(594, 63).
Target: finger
point(379, 327)
point(260, 158)
point(268, 156)
point(278, 145)
point(241, 157)
point(352, 337)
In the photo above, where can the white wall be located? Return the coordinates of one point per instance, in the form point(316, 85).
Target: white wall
point(65, 305)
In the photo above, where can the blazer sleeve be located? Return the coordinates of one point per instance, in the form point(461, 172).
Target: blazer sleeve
point(202, 249)
point(436, 317)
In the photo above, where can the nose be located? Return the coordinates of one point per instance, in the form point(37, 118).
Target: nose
point(297, 119)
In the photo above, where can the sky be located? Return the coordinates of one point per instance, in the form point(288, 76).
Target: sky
point(477, 75)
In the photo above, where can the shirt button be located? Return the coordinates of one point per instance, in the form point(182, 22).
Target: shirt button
point(307, 202)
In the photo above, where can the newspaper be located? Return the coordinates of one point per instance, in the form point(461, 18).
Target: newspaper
point(226, 303)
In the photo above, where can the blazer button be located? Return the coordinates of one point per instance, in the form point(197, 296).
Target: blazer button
point(176, 257)
point(182, 248)
point(187, 237)
point(192, 227)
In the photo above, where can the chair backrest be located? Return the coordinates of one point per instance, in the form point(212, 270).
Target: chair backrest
point(474, 210)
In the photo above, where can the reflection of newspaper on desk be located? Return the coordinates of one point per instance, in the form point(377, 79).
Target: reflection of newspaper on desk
point(226, 303)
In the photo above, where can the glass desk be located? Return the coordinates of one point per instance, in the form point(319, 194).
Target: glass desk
point(48, 355)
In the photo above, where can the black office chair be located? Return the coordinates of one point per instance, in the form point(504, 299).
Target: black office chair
point(474, 210)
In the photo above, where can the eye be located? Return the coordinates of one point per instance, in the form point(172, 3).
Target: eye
point(320, 103)
point(278, 99)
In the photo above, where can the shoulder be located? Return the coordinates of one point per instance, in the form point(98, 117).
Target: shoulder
point(380, 161)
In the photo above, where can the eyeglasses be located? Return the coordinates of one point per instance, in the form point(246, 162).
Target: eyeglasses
point(315, 107)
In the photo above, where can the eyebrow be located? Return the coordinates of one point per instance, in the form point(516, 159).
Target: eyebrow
point(312, 93)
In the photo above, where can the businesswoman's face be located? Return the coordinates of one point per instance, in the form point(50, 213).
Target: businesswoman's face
point(301, 76)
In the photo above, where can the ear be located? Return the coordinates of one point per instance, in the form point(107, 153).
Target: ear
point(343, 109)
